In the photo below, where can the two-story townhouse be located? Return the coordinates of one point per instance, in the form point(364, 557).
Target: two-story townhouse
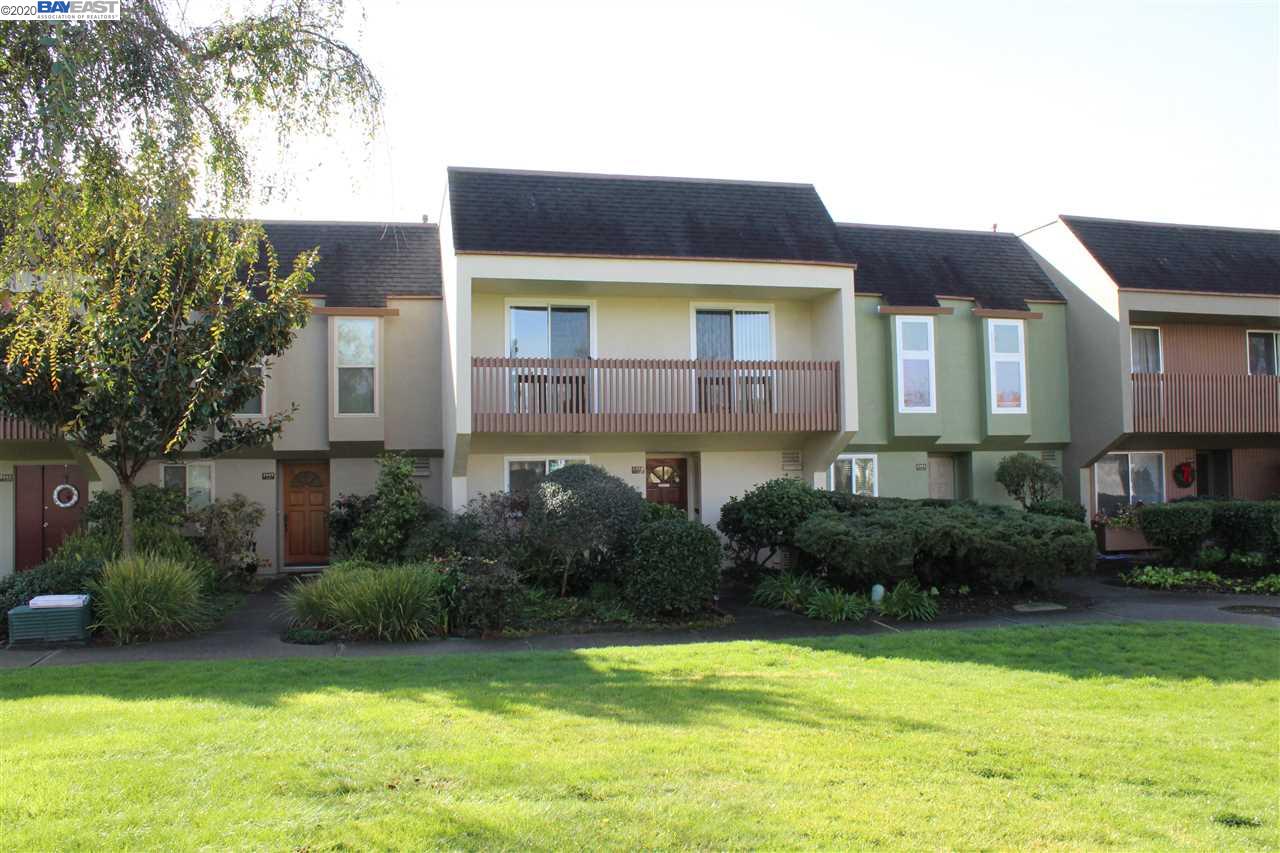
point(962, 361)
point(1174, 335)
point(694, 337)
point(364, 375)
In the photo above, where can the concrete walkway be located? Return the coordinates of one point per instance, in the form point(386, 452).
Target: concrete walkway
point(253, 630)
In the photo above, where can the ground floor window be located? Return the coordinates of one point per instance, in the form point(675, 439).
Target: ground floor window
point(194, 480)
point(854, 473)
point(523, 471)
point(1124, 479)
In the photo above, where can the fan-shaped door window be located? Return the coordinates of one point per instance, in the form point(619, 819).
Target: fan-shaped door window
point(665, 482)
point(307, 479)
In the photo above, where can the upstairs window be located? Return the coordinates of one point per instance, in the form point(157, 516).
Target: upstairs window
point(854, 473)
point(733, 334)
point(1007, 342)
point(253, 407)
point(917, 388)
point(1147, 354)
point(550, 331)
point(356, 342)
point(194, 480)
point(1263, 349)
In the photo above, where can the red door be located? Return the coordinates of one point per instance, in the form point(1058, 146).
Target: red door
point(306, 513)
point(49, 503)
point(665, 482)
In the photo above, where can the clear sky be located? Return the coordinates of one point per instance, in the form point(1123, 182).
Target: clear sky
point(953, 114)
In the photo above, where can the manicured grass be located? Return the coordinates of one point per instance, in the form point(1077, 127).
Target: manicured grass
point(1151, 736)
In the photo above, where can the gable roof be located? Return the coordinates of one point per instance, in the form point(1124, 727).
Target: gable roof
point(362, 263)
point(562, 213)
point(914, 266)
point(1199, 258)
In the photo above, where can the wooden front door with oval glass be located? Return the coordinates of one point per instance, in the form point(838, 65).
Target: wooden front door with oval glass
point(665, 482)
point(306, 513)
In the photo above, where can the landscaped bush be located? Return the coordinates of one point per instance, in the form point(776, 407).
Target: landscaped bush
point(1178, 528)
point(907, 601)
point(384, 527)
point(787, 590)
point(486, 595)
point(360, 601)
point(148, 596)
point(1242, 525)
point(59, 575)
point(859, 550)
point(227, 529)
point(582, 515)
point(1172, 578)
point(1061, 508)
point(674, 568)
point(151, 505)
point(345, 515)
point(834, 605)
point(1028, 480)
point(765, 519)
point(495, 525)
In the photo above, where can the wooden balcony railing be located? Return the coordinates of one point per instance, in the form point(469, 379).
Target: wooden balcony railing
point(16, 429)
point(653, 395)
point(1204, 403)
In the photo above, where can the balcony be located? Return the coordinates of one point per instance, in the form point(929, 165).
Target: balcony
point(1204, 403)
point(16, 429)
point(622, 395)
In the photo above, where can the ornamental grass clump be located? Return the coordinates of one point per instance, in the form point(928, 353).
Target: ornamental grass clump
point(149, 596)
point(365, 601)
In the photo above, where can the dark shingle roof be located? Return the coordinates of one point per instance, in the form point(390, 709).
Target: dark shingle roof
point(1161, 256)
point(555, 213)
point(362, 263)
point(914, 266)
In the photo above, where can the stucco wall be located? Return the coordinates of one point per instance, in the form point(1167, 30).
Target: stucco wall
point(413, 351)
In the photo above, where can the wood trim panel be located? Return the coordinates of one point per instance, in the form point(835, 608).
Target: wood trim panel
point(916, 310)
point(1007, 314)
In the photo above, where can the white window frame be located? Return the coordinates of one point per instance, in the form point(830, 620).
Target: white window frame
point(1275, 333)
point(754, 307)
point(901, 355)
point(1160, 346)
point(996, 358)
point(537, 457)
point(854, 457)
point(213, 489)
point(516, 302)
point(1128, 455)
point(377, 368)
point(262, 416)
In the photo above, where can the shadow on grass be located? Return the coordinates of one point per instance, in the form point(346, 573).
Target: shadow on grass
point(1171, 651)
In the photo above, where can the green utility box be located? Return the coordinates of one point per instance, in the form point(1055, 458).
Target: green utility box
point(49, 624)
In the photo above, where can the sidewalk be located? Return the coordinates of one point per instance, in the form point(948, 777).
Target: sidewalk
point(253, 631)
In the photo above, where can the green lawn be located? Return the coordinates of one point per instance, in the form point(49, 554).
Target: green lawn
point(1151, 736)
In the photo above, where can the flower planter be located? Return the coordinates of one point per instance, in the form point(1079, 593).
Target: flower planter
point(1121, 539)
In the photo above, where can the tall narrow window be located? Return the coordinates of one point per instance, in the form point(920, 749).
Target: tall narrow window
point(1263, 350)
point(254, 405)
point(195, 481)
point(1145, 344)
point(357, 365)
point(917, 388)
point(854, 473)
point(1124, 479)
point(1007, 342)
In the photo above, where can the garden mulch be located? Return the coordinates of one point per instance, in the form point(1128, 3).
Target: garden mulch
point(253, 631)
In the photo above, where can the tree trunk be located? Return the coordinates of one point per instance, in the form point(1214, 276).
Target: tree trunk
point(564, 582)
point(126, 518)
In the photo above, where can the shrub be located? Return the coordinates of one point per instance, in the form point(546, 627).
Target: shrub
point(151, 505)
point(495, 525)
point(580, 514)
point(1021, 548)
point(436, 535)
point(345, 515)
point(674, 567)
point(1061, 508)
point(60, 574)
point(382, 530)
point(227, 529)
point(1178, 528)
point(1027, 479)
point(1168, 577)
point(787, 590)
point(834, 605)
point(148, 596)
point(651, 512)
point(908, 602)
point(1269, 585)
point(486, 595)
point(1241, 525)
point(861, 549)
point(356, 600)
point(765, 519)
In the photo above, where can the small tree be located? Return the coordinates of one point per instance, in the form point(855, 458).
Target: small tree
point(580, 510)
point(1027, 479)
point(397, 502)
point(765, 518)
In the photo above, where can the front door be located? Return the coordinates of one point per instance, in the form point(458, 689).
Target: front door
point(49, 503)
point(942, 476)
point(665, 482)
point(306, 513)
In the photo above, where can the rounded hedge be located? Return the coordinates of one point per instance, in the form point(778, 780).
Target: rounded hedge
point(674, 568)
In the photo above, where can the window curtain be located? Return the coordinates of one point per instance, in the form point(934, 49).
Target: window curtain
point(1146, 350)
point(715, 334)
point(1262, 353)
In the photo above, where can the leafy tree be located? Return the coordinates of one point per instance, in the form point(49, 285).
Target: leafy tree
point(151, 343)
point(382, 532)
point(1027, 479)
